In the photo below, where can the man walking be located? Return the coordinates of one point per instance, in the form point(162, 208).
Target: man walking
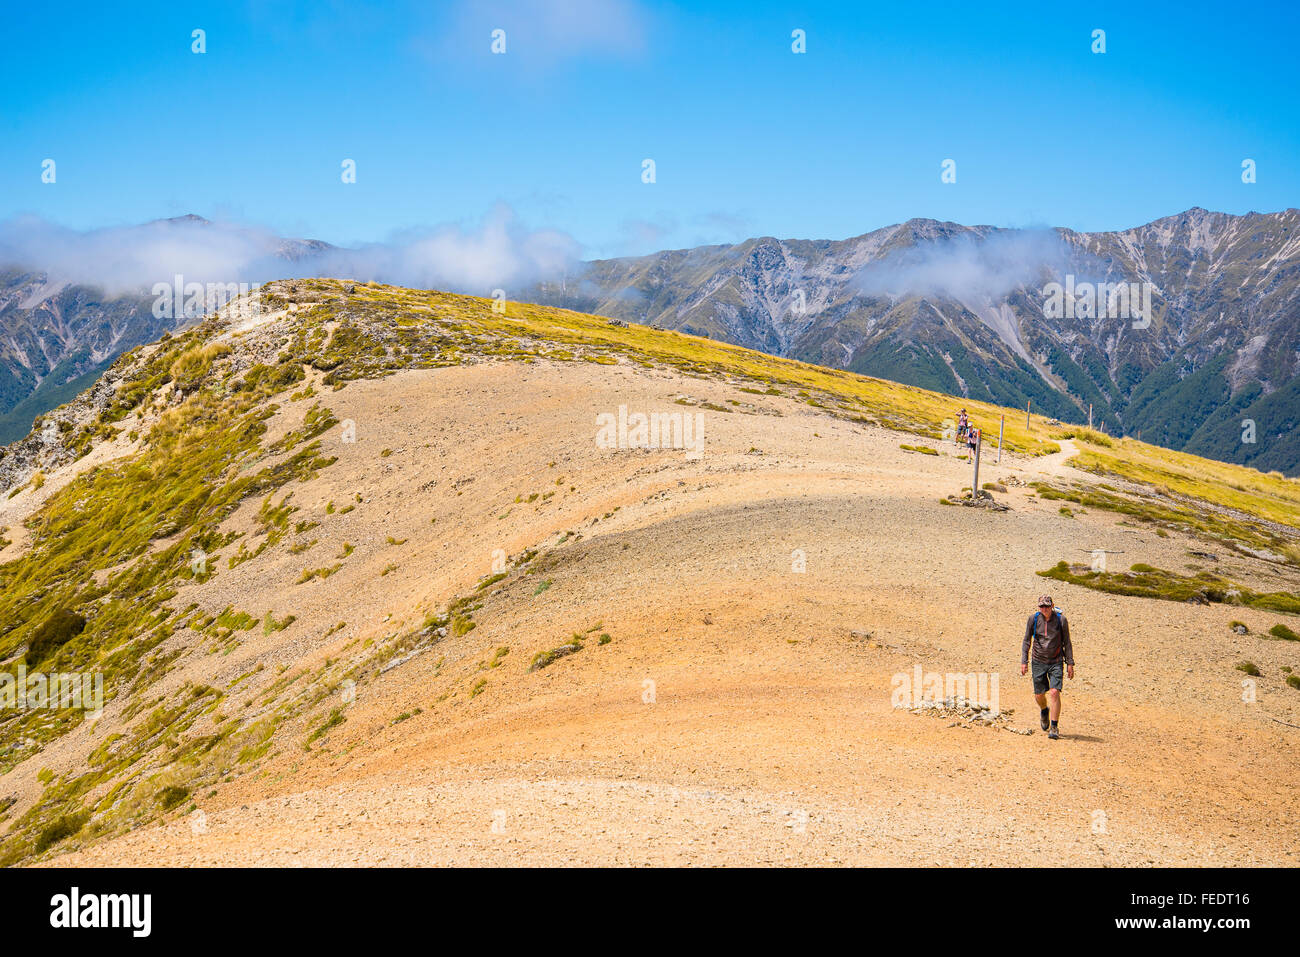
point(1049, 634)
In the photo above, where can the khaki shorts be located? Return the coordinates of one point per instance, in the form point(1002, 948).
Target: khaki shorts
point(1047, 674)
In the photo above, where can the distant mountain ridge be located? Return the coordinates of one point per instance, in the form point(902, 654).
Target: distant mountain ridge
point(959, 309)
point(57, 337)
point(953, 308)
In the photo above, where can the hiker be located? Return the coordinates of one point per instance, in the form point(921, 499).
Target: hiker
point(962, 425)
point(1049, 633)
point(972, 440)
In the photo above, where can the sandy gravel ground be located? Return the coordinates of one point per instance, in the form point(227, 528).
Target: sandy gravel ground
point(741, 712)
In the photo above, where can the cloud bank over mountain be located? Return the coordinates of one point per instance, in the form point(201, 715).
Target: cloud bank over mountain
point(500, 252)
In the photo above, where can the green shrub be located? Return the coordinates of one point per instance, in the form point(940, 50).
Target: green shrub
point(335, 719)
point(169, 797)
point(62, 828)
point(53, 633)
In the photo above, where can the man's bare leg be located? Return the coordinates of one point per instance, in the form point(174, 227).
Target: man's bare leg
point(1053, 704)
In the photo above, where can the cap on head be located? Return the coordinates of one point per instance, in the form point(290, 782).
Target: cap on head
point(1044, 601)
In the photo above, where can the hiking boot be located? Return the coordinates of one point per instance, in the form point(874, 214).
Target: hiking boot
point(1053, 734)
point(1042, 719)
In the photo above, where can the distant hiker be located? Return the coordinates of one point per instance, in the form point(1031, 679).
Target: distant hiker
point(963, 424)
point(1049, 634)
point(972, 439)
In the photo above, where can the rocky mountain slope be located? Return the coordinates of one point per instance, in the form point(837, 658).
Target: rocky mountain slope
point(960, 309)
point(367, 581)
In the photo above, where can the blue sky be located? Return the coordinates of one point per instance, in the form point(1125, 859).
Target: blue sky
point(748, 137)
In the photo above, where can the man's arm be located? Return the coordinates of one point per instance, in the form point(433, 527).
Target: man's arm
point(1024, 645)
point(1065, 642)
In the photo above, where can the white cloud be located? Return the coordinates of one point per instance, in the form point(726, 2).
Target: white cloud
point(498, 253)
point(968, 266)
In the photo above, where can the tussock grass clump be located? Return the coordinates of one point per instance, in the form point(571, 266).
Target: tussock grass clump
point(63, 827)
point(55, 632)
point(170, 797)
point(189, 368)
point(1091, 436)
point(1145, 581)
point(1250, 668)
point(235, 620)
point(321, 573)
point(491, 580)
point(271, 625)
point(335, 719)
point(1282, 631)
point(544, 659)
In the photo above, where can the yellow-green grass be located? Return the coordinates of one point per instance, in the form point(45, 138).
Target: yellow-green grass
point(1270, 495)
point(1204, 520)
point(1146, 581)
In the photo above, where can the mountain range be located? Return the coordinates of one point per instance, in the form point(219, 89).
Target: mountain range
point(1214, 368)
point(960, 309)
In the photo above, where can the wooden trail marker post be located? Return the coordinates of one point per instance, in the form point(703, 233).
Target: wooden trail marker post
point(1002, 427)
point(1028, 403)
point(975, 481)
